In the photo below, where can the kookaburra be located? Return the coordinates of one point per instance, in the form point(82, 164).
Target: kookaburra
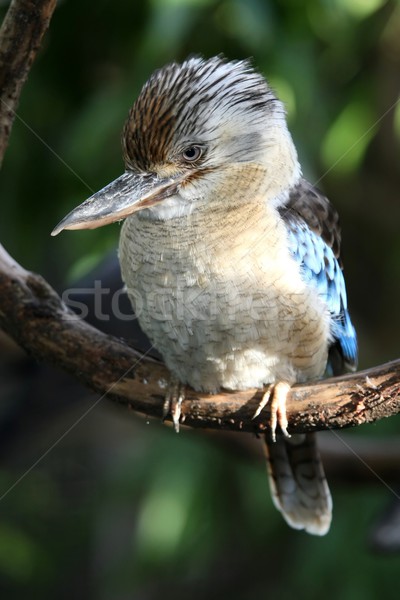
point(230, 257)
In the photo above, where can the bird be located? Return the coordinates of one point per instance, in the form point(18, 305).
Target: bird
point(230, 257)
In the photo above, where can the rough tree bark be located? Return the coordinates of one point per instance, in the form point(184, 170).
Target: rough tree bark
point(21, 34)
point(33, 314)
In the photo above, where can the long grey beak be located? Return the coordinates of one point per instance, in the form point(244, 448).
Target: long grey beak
point(125, 195)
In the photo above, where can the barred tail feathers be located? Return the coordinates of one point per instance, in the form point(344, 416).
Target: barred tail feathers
point(297, 481)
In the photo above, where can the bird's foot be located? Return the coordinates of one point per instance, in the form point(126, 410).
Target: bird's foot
point(173, 402)
point(276, 394)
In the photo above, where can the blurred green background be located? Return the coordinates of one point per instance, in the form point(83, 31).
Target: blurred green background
point(121, 507)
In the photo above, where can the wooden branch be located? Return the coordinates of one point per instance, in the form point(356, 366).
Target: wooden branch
point(32, 313)
point(20, 36)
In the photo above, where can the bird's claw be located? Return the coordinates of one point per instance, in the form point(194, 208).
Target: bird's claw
point(173, 402)
point(276, 394)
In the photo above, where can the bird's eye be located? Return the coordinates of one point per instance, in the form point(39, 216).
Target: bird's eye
point(192, 153)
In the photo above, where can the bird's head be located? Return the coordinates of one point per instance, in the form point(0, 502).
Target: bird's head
point(200, 133)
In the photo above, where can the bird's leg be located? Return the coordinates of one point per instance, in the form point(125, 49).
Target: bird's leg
point(173, 401)
point(276, 394)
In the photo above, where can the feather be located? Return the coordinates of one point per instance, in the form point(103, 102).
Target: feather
point(314, 241)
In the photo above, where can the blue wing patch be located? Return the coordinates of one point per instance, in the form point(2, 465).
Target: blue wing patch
point(321, 269)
